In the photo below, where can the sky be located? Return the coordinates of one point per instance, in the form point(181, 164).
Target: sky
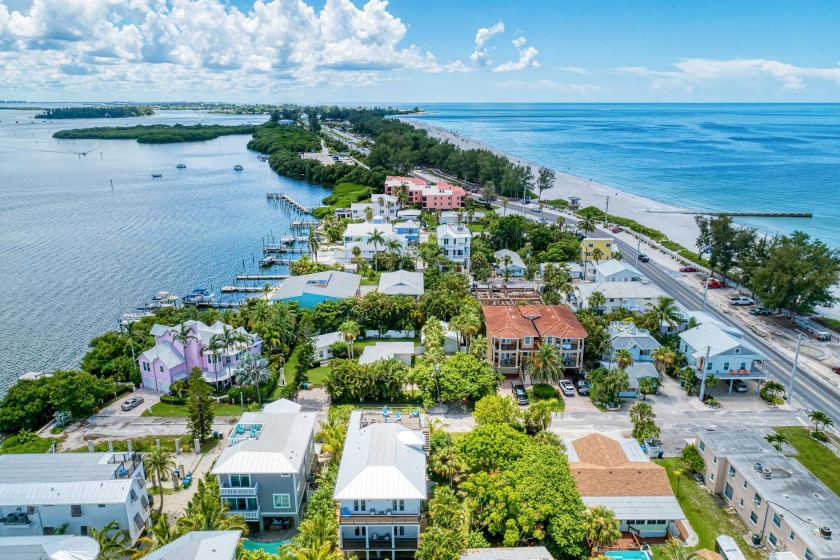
point(420, 51)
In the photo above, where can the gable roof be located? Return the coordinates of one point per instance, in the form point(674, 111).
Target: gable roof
point(614, 266)
point(624, 334)
point(199, 545)
point(381, 461)
point(718, 338)
point(331, 283)
point(515, 259)
point(385, 350)
point(401, 282)
point(328, 339)
point(365, 229)
point(48, 547)
point(280, 447)
point(453, 231)
point(516, 321)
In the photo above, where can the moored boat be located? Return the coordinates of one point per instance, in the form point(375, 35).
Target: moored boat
point(238, 167)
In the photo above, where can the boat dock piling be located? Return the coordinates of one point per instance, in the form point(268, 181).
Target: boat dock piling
point(282, 248)
point(302, 224)
point(243, 278)
point(289, 201)
point(231, 289)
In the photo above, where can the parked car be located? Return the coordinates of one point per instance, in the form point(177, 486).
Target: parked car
point(542, 221)
point(760, 311)
point(714, 284)
point(537, 208)
point(527, 201)
point(644, 258)
point(567, 388)
point(131, 403)
point(688, 269)
point(583, 387)
point(835, 369)
point(616, 229)
point(823, 336)
point(741, 300)
point(520, 393)
point(739, 386)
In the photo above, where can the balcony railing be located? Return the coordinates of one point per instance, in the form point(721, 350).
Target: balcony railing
point(376, 519)
point(248, 514)
point(227, 490)
point(401, 543)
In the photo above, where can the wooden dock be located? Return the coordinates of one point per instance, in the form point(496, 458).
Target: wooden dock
point(244, 278)
point(302, 224)
point(286, 199)
point(283, 248)
point(231, 289)
point(739, 214)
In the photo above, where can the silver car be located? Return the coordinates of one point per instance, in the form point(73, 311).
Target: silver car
point(567, 388)
point(131, 403)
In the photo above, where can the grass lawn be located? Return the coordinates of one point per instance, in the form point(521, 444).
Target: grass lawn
point(706, 518)
point(371, 281)
point(38, 445)
point(814, 456)
point(147, 443)
point(476, 227)
point(180, 410)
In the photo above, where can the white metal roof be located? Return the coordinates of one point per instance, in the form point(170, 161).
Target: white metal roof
point(58, 467)
point(621, 290)
point(199, 545)
point(614, 266)
point(719, 340)
point(65, 493)
point(331, 283)
point(515, 259)
point(518, 553)
point(638, 507)
point(365, 229)
point(401, 282)
point(48, 547)
point(453, 231)
point(281, 446)
point(385, 350)
point(328, 339)
point(381, 461)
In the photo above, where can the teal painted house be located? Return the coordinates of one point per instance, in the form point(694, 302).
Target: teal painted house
point(311, 289)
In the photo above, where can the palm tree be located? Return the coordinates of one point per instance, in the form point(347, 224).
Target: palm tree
point(314, 244)
point(776, 440)
point(647, 385)
point(623, 358)
point(600, 527)
point(215, 348)
point(376, 239)
point(617, 255)
point(159, 534)
point(478, 347)
point(597, 300)
point(506, 260)
point(546, 365)
point(597, 254)
point(158, 464)
point(587, 225)
point(488, 193)
point(252, 370)
point(663, 359)
point(504, 206)
point(184, 335)
point(675, 550)
point(437, 543)
point(349, 332)
point(369, 213)
point(467, 324)
point(820, 419)
point(113, 541)
point(447, 463)
point(664, 311)
point(205, 512)
point(394, 248)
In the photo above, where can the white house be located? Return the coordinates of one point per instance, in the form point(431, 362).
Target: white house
point(455, 242)
point(616, 271)
point(41, 492)
point(401, 283)
point(323, 343)
point(380, 204)
point(199, 545)
point(516, 266)
point(625, 335)
point(358, 235)
point(715, 349)
point(49, 547)
point(262, 473)
point(381, 484)
point(634, 296)
point(574, 269)
point(403, 351)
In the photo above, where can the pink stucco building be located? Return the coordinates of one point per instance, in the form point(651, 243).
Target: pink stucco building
point(170, 359)
point(440, 196)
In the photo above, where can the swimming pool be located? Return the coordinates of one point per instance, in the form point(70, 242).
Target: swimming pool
point(270, 547)
point(629, 554)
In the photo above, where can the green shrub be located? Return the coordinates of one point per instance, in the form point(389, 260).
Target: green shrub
point(544, 391)
point(26, 442)
point(172, 399)
point(832, 324)
point(819, 436)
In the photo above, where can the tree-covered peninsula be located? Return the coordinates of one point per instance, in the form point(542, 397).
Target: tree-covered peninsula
point(155, 134)
point(108, 112)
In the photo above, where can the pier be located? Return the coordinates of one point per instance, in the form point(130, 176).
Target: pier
point(282, 248)
point(301, 224)
point(244, 278)
point(231, 289)
point(289, 200)
point(739, 214)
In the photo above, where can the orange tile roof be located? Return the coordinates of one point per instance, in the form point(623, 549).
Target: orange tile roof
point(604, 470)
point(516, 321)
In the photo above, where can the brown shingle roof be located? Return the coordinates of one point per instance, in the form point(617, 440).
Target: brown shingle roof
point(604, 470)
point(517, 321)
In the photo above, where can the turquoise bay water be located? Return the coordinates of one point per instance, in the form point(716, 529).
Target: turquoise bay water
point(75, 254)
point(750, 157)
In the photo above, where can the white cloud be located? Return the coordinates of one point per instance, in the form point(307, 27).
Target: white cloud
point(696, 72)
point(203, 45)
point(573, 70)
point(578, 90)
point(480, 56)
point(527, 58)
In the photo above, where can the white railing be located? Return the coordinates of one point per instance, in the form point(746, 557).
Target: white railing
point(239, 490)
point(249, 515)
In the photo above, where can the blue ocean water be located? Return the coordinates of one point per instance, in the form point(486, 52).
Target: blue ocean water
point(76, 254)
point(723, 157)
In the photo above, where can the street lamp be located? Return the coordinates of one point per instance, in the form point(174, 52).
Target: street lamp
point(795, 365)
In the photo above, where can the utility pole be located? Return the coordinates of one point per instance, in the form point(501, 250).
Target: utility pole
point(607, 212)
point(638, 249)
point(793, 370)
point(705, 291)
point(705, 367)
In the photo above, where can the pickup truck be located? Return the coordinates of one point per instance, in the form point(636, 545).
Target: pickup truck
point(742, 300)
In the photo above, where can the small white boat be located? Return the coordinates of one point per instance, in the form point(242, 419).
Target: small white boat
point(181, 166)
point(156, 175)
point(238, 167)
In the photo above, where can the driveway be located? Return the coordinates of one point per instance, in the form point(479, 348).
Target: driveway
point(149, 398)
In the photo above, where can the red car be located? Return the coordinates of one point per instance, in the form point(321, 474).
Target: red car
point(616, 230)
point(835, 369)
point(688, 269)
point(715, 284)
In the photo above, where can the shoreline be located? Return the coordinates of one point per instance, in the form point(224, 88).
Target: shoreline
point(680, 226)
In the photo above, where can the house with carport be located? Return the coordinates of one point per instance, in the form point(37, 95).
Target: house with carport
point(720, 350)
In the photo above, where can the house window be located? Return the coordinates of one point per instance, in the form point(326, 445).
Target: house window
point(753, 517)
point(709, 366)
point(227, 359)
point(773, 540)
point(282, 501)
point(702, 447)
point(736, 351)
point(133, 495)
point(161, 369)
point(714, 459)
point(745, 485)
point(743, 366)
point(240, 480)
point(808, 554)
point(360, 531)
point(527, 341)
point(725, 366)
point(777, 520)
point(399, 531)
point(49, 530)
point(741, 502)
point(712, 476)
point(732, 471)
point(146, 366)
point(757, 500)
point(75, 511)
point(359, 505)
point(398, 505)
point(83, 530)
point(792, 536)
point(728, 491)
point(138, 521)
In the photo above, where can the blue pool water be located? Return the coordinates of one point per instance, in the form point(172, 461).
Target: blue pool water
point(270, 547)
point(629, 554)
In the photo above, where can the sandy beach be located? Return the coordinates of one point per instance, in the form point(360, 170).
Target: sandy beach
point(679, 227)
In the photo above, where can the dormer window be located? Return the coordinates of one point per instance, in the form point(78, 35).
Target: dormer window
point(737, 351)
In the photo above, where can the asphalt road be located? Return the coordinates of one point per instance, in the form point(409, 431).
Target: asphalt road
point(810, 391)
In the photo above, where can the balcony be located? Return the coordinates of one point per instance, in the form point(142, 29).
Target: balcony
point(235, 491)
point(402, 543)
point(248, 514)
point(376, 519)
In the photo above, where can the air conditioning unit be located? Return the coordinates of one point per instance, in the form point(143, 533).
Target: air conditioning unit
point(758, 467)
point(767, 473)
point(825, 532)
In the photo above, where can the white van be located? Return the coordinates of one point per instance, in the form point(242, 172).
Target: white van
point(728, 548)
